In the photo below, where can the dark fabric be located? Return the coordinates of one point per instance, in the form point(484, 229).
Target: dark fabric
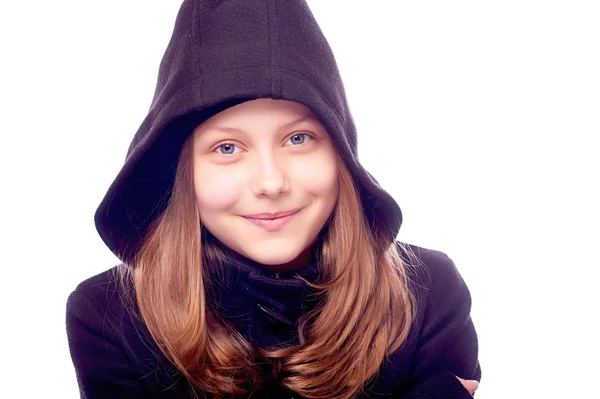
point(222, 53)
point(115, 357)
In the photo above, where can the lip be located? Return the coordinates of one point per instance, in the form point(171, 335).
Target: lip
point(271, 215)
point(272, 221)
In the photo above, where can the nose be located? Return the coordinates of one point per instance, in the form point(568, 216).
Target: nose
point(270, 179)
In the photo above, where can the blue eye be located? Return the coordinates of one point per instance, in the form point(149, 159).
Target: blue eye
point(227, 148)
point(300, 138)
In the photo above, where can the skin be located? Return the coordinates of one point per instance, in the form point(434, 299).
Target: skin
point(470, 385)
point(251, 159)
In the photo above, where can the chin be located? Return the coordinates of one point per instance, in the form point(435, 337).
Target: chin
point(273, 259)
point(274, 253)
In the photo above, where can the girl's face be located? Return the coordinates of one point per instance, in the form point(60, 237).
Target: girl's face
point(265, 178)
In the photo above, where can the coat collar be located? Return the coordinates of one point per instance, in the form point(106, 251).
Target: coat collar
point(264, 306)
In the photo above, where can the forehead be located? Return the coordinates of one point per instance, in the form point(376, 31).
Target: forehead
point(261, 113)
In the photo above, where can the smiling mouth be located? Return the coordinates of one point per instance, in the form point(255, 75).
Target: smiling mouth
point(270, 216)
point(271, 222)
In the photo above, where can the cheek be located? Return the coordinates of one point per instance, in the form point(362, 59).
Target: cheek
point(216, 190)
point(318, 176)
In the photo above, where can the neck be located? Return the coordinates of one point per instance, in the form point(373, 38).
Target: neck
point(303, 259)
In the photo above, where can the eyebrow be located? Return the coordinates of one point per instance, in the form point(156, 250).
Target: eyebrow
point(281, 127)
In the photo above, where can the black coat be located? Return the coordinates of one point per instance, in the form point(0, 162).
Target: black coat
point(115, 358)
point(223, 52)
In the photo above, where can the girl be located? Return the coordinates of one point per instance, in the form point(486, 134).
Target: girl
point(258, 256)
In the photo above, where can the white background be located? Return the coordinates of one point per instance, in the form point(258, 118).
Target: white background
point(481, 118)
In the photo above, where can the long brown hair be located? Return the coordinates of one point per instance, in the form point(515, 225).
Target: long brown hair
point(365, 313)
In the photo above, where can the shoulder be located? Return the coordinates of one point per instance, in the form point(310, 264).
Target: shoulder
point(445, 336)
point(106, 303)
point(104, 278)
point(428, 268)
point(101, 308)
point(96, 309)
point(98, 299)
point(441, 293)
point(100, 288)
point(109, 343)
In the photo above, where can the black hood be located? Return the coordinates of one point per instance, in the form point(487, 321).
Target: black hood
point(222, 53)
